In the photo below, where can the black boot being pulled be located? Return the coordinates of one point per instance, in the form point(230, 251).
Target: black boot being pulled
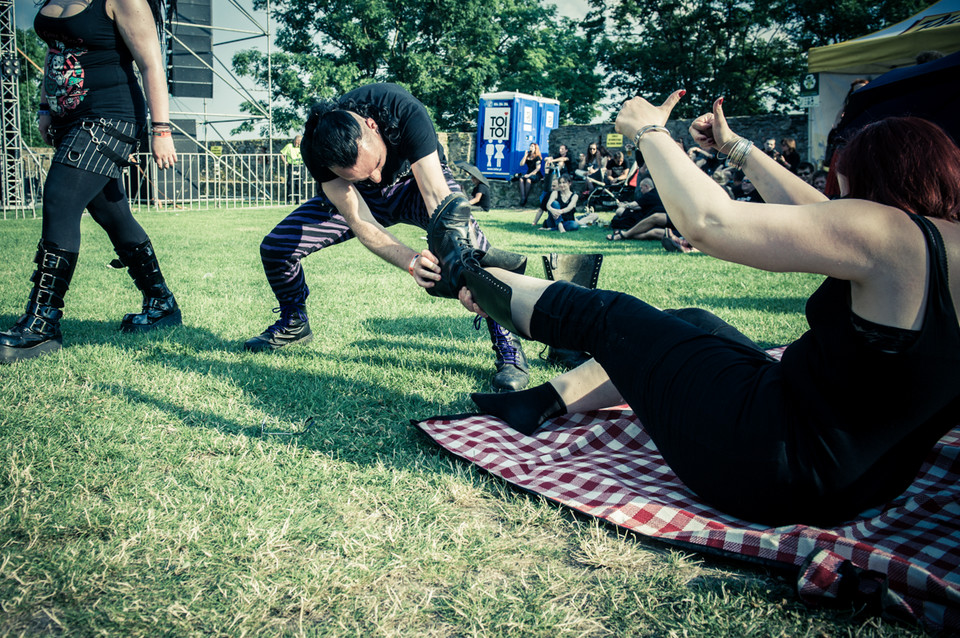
point(511, 374)
point(37, 331)
point(292, 327)
point(449, 234)
point(160, 308)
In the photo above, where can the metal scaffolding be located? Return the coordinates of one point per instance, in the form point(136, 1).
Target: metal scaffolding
point(12, 144)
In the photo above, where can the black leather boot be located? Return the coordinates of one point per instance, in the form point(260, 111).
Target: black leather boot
point(37, 331)
point(511, 374)
point(160, 308)
point(491, 294)
point(449, 233)
point(583, 270)
point(292, 327)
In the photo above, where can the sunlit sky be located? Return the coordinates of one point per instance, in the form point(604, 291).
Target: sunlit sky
point(226, 101)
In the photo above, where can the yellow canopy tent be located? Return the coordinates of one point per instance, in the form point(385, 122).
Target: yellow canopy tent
point(935, 28)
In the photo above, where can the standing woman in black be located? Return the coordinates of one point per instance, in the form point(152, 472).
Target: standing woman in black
point(93, 111)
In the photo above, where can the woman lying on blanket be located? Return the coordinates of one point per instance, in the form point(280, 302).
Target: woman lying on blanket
point(844, 421)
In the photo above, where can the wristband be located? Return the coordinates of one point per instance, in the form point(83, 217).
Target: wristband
point(44, 106)
point(156, 124)
point(166, 133)
point(43, 112)
point(646, 129)
point(412, 264)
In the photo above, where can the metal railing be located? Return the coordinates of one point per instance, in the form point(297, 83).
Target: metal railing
point(198, 181)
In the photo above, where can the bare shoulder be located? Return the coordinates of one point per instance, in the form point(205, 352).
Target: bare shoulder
point(125, 9)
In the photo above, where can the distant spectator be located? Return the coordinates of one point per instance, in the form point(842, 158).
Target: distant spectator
point(749, 192)
point(293, 161)
point(589, 166)
point(530, 165)
point(819, 181)
point(805, 172)
point(706, 159)
point(480, 196)
point(770, 148)
point(616, 169)
point(629, 214)
point(561, 208)
point(559, 163)
point(789, 156)
point(722, 177)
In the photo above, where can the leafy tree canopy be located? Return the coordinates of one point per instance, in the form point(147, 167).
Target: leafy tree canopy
point(750, 51)
point(446, 52)
point(29, 84)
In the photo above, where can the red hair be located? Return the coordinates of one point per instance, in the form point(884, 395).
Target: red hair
point(905, 162)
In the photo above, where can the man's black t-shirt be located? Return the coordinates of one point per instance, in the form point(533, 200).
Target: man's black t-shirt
point(484, 191)
point(406, 130)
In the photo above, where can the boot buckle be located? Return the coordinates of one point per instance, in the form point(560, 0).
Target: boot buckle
point(38, 325)
point(53, 261)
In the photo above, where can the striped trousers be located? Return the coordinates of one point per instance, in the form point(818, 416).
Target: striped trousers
point(317, 224)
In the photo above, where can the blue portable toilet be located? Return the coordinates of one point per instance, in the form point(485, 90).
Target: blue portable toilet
point(508, 123)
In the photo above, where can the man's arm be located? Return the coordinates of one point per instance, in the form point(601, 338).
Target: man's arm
point(375, 237)
point(433, 185)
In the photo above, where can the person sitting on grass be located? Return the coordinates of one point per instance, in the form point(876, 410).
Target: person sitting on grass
point(480, 195)
point(562, 209)
point(844, 421)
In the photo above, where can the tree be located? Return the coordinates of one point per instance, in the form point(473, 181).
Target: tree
point(750, 51)
point(731, 48)
point(818, 23)
point(446, 52)
point(29, 84)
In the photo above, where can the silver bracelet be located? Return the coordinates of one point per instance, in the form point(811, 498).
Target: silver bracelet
point(646, 129)
point(738, 154)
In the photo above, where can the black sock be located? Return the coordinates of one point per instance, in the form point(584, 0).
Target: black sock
point(525, 410)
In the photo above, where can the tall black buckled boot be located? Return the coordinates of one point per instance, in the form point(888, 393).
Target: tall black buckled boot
point(583, 270)
point(160, 309)
point(37, 331)
point(450, 233)
point(292, 327)
point(511, 374)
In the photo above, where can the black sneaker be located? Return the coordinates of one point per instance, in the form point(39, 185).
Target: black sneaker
point(292, 327)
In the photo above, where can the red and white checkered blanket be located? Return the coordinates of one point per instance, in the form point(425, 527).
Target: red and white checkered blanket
point(903, 560)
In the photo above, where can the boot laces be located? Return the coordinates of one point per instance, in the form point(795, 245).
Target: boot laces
point(502, 342)
point(288, 312)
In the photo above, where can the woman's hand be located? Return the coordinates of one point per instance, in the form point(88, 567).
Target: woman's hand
point(466, 300)
point(163, 152)
point(637, 113)
point(712, 131)
point(426, 269)
point(43, 125)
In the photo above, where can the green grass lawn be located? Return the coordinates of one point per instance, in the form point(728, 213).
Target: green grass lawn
point(140, 496)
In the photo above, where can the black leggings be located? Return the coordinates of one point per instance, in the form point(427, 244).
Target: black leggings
point(713, 403)
point(68, 191)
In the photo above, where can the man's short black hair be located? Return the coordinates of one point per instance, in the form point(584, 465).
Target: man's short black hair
point(332, 134)
point(331, 138)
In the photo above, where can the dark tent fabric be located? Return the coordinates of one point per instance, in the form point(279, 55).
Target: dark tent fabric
point(930, 90)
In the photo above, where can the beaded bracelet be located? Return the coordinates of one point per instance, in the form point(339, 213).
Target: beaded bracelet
point(646, 129)
point(413, 262)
